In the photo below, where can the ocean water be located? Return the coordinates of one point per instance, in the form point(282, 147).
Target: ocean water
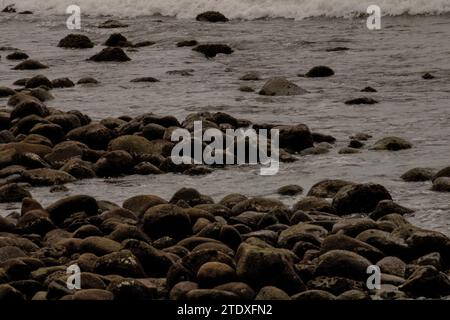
point(274, 37)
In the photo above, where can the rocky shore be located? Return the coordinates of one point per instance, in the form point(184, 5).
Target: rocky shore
point(240, 248)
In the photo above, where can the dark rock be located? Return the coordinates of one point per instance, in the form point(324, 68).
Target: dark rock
point(386, 207)
point(30, 65)
point(76, 41)
point(428, 282)
point(359, 198)
point(117, 40)
point(343, 263)
point(212, 274)
point(210, 295)
point(392, 144)
point(239, 288)
point(6, 92)
point(320, 137)
point(272, 293)
point(363, 100)
point(131, 290)
point(133, 145)
point(368, 89)
point(17, 55)
point(246, 89)
point(313, 204)
point(428, 76)
point(13, 193)
point(211, 16)
point(145, 79)
point(343, 242)
point(187, 43)
point(314, 295)
point(441, 184)
point(295, 138)
point(122, 263)
point(110, 54)
point(53, 132)
point(93, 295)
point(418, 174)
point(280, 86)
point(166, 220)
point(87, 80)
point(79, 169)
point(62, 83)
point(392, 265)
point(95, 135)
point(356, 144)
point(319, 72)
point(64, 208)
point(9, 293)
point(327, 188)
point(140, 204)
point(99, 246)
point(114, 163)
point(35, 221)
point(290, 190)
point(251, 76)
point(29, 107)
point(211, 50)
point(112, 24)
point(442, 173)
point(47, 177)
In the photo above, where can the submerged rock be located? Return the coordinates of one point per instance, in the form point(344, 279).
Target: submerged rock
point(441, 184)
point(17, 55)
point(112, 24)
point(117, 40)
point(75, 41)
point(110, 54)
point(211, 50)
point(30, 65)
point(418, 174)
point(211, 16)
point(280, 86)
point(392, 144)
point(320, 72)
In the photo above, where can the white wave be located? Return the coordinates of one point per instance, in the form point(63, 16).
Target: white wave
point(237, 9)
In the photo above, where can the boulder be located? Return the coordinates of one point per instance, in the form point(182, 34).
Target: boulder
point(166, 220)
point(342, 263)
point(428, 282)
point(13, 192)
point(343, 242)
point(29, 107)
point(38, 81)
point(272, 293)
point(78, 168)
point(30, 65)
point(441, 184)
point(114, 163)
point(62, 83)
point(64, 208)
point(211, 50)
point(327, 188)
point(280, 86)
point(211, 16)
point(122, 263)
point(418, 174)
point(261, 267)
point(117, 40)
point(392, 265)
point(319, 72)
point(295, 138)
point(17, 55)
point(93, 295)
point(140, 204)
point(212, 274)
point(290, 190)
point(314, 295)
point(133, 145)
point(385, 207)
point(359, 198)
point(363, 100)
point(110, 54)
point(75, 41)
point(47, 177)
point(132, 290)
point(99, 246)
point(442, 173)
point(95, 135)
point(392, 144)
point(6, 92)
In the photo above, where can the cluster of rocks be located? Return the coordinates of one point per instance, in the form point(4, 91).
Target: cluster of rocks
point(240, 248)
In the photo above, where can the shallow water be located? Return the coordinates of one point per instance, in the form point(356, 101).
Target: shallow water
point(391, 60)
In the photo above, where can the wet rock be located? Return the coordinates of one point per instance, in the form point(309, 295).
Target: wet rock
point(386, 242)
point(359, 101)
point(295, 138)
point(117, 40)
point(9, 293)
point(280, 86)
point(187, 43)
point(145, 79)
point(246, 89)
point(320, 137)
point(112, 24)
point(258, 205)
point(6, 225)
point(432, 259)
point(428, 76)
point(30, 65)
point(272, 293)
point(94, 135)
point(392, 144)
point(62, 83)
point(17, 55)
point(343, 263)
point(211, 16)
point(79, 169)
point(93, 294)
point(441, 184)
point(211, 50)
point(343, 242)
point(87, 80)
point(334, 285)
point(356, 144)
point(320, 72)
point(428, 282)
point(114, 163)
point(146, 168)
point(212, 274)
point(289, 237)
point(10, 252)
point(327, 188)
point(392, 265)
point(314, 295)
point(122, 263)
point(6, 92)
point(133, 145)
point(47, 177)
point(442, 173)
point(418, 174)
point(41, 93)
point(29, 107)
point(35, 221)
point(313, 204)
point(140, 204)
point(359, 198)
point(13, 193)
point(99, 246)
point(347, 150)
point(166, 220)
point(189, 195)
point(210, 295)
point(180, 290)
point(64, 208)
point(368, 89)
point(386, 207)
point(251, 76)
point(239, 288)
point(75, 41)
point(110, 54)
point(53, 132)
point(290, 190)
point(261, 267)
point(335, 49)
point(11, 8)
point(132, 290)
